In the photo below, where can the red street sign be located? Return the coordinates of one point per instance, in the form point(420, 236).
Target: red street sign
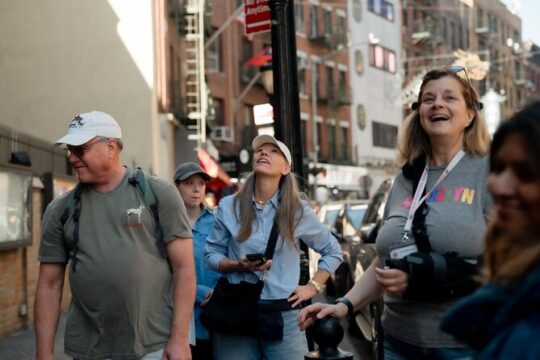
point(257, 16)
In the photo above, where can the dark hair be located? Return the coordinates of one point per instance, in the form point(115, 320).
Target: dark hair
point(526, 123)
point(509, 256)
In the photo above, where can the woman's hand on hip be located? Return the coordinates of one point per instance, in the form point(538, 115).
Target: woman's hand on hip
point(394, 281)
point(301, 293)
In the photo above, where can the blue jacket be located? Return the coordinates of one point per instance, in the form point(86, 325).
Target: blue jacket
point(206, 278)
point(501, 323)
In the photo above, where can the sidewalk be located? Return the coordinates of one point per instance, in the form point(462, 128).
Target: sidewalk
point(22, 345)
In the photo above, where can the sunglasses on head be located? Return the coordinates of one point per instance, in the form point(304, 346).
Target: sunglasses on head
point(456, 70)
point(80, 150)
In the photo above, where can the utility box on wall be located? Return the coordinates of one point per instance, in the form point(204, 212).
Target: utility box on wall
point(15, 207)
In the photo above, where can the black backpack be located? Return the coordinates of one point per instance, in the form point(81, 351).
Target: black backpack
point(72, 209)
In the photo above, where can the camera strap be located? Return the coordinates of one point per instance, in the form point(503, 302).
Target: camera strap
point(418, 200)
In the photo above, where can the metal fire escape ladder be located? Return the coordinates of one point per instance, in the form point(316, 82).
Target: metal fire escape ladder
point(196, 92)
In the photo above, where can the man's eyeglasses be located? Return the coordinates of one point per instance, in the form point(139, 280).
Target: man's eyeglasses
point(79, 151)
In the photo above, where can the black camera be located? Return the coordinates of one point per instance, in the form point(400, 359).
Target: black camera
point(400, 264)
point(434, 276)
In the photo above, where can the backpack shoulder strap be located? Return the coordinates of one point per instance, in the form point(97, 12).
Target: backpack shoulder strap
point(72, 209)
point(139, 179)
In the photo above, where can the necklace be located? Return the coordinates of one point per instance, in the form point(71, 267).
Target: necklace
point(260, 202)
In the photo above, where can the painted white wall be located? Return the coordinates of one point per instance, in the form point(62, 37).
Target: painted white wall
point(59, 58)
point(377, 90)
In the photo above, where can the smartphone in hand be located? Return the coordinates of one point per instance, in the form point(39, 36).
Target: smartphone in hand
point(256, 257)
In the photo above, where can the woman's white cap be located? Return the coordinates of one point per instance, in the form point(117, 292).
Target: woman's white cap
point(268, 139)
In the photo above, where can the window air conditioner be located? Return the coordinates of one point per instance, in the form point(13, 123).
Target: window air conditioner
point(222, 133)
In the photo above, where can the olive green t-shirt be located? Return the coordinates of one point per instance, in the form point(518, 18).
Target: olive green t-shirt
point(121, 306)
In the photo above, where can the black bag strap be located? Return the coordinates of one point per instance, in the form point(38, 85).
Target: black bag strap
point(272, 241)
point(73, 202)
point(139, 180)
point(414, 173)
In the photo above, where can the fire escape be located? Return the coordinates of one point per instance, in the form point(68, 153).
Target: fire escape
point(196, 91)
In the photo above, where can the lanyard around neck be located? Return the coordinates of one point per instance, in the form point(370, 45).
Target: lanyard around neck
point(420, 189)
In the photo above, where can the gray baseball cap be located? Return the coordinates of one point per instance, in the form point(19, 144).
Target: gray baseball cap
point(188, 169)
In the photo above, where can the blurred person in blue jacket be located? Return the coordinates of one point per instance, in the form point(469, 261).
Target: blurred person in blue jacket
point(502, 318)
point(190, 180)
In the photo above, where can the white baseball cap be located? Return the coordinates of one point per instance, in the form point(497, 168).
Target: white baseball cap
point(268, 139)
point(85, 127)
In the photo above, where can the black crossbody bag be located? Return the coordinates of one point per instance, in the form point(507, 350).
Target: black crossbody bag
point(233, 308)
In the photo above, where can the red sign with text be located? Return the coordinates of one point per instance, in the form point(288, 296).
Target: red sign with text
point(257, 14)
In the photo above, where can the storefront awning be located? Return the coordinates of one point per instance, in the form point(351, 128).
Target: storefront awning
point(212, 168)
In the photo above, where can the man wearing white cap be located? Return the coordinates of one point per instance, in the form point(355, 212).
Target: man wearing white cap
point(128, 301)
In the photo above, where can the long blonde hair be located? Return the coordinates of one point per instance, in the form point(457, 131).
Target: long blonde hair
point(414, 141)
point(289, 212)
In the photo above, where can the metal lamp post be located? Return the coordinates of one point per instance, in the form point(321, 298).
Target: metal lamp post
point(287, 124)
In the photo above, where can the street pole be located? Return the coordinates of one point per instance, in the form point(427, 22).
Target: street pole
point(287, 123)
point(314, 132)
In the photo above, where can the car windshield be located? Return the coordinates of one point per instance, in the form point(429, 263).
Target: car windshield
point(356, 215)
point(330, 217)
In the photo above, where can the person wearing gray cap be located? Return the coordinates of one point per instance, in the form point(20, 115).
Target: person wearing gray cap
point(130, 299)
point(241, 232)
point(190, 180)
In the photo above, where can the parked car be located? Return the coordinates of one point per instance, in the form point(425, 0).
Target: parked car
point(357, 241)
point(343, 219)
point(368, 319)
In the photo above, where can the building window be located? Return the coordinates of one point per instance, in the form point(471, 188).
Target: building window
point(342, 84)
point(313, 33)
point(341, 37)
point(329, 81)
point(479, 18)
point(344, 143)
point(331, 130)
point(317, 75)
point(382, 58)
point(384, 135)
point(327, 22)
point(219, 111)
point(299, 16)
point(246, 73)
point(319, 137)
point(213, 55)
point(301, 63)
point(359, 62)
point(357, 10)
point(361, 116)
point(382, 8)
point(303, 134)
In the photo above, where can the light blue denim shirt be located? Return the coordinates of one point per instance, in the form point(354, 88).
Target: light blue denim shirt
point(206, 278)
point(282, 278)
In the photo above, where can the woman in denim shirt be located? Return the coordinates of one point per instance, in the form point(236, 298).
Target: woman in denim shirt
point(243, 224)
point(190, 180)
